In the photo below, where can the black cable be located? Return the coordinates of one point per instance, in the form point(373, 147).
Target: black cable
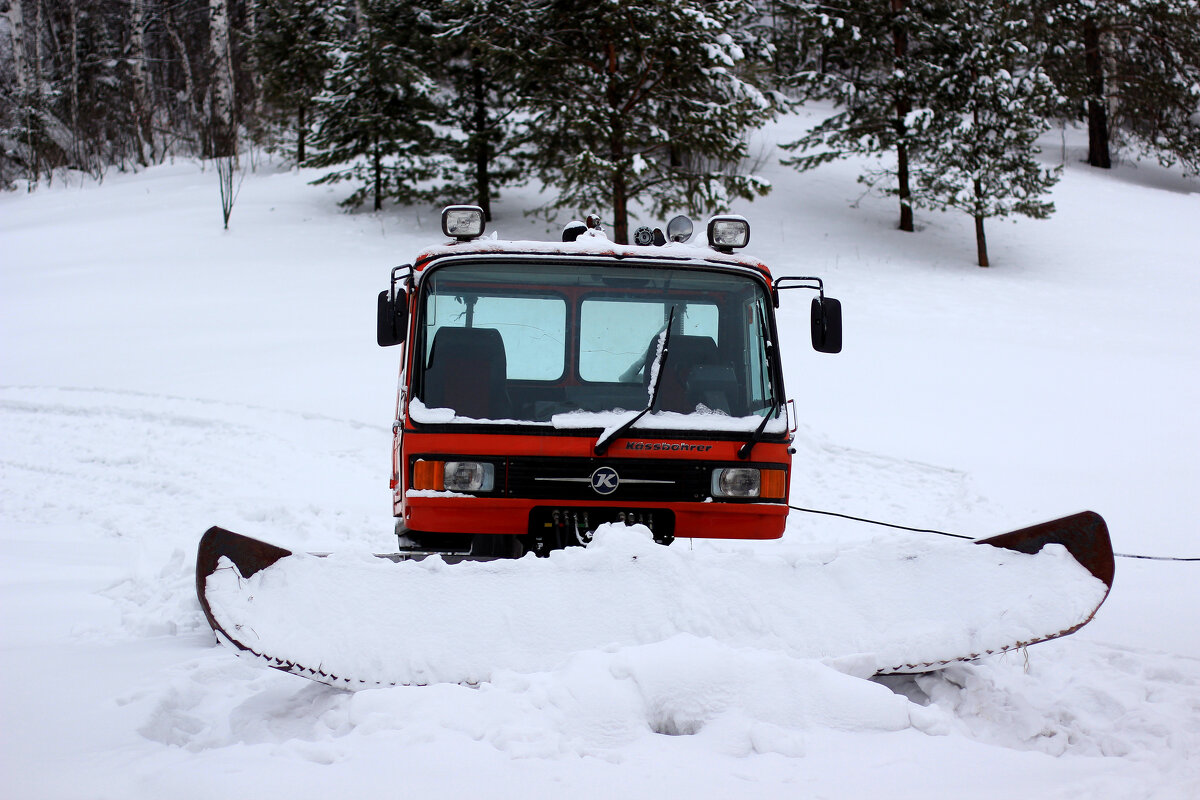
point(1154, 558)
point(884, 524)
point(956, 535)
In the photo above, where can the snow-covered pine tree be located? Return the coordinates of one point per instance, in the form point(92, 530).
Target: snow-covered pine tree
point(783, 25)
point(377, 110)
point(642, 101)
point(292, 53)
point(987, 110)
point(477, 52)
point(1132, 69)
point(878, 61)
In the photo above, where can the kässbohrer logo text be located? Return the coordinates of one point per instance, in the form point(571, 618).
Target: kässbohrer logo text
point(697, 448)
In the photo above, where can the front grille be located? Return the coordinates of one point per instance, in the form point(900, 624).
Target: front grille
point(642, 480)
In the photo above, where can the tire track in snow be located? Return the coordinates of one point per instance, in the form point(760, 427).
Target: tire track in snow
point(152, 471)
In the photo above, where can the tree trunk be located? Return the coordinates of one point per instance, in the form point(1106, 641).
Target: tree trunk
point(185, 64)
point(1098, 150)
point(301, 132)
point(620, 209)
point(981, 241)
point(37, 46)
point(76, 145)
point(224, 128)
point(906, 212)
point(16, 26)
point(26, 87)
point(142, 110)
point(903, 107)
point(256, 76)
point(620, 190)
point(377, 166)
point(37, 89)
point(616, 147)
point(483, 194)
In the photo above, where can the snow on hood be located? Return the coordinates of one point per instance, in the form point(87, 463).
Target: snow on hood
point(701, 420)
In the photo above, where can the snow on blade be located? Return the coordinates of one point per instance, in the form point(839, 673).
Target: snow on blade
point(873, 607)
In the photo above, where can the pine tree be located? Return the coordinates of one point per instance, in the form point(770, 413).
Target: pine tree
point(477, 52)
point(376, 110)
point(291, 49)
point(988, 109)
point(783, 23)
point(642, 101)
point(879, 60)
point(1132, 69)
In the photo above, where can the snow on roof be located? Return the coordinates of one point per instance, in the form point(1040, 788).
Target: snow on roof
point(591, 244)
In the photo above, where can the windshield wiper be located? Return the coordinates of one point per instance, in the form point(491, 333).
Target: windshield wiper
point(657, 372)
point(744, 451)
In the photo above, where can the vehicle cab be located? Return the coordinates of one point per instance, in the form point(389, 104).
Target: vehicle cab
point(549, 387)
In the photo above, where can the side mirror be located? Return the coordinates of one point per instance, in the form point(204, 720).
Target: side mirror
point(392, 319)
point(826, 325)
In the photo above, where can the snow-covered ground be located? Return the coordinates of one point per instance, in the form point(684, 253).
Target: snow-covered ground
point(159, 375)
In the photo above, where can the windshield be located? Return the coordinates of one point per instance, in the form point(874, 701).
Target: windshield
point(535, 342)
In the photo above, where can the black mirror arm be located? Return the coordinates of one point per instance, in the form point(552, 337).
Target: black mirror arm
point(801, 282)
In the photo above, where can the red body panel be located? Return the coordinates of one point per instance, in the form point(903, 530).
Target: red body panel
point(510, 515)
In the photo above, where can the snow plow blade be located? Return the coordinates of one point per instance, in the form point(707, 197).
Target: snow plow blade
point(880, 607)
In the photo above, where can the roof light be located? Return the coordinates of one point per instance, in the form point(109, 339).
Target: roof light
point(679, 229)
point(726, 233)
point(462, 222)
point(572, 230)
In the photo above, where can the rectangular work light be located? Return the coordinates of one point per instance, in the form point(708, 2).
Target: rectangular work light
point(462, 222)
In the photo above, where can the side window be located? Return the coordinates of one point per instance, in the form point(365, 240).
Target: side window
point(757, 356)
point(533, 329)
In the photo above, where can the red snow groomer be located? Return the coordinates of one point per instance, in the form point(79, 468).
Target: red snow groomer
point(549, 387)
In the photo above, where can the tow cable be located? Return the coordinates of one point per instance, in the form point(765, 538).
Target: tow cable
point(956, 535)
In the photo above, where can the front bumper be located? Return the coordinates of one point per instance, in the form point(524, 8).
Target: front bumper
point(450, 513)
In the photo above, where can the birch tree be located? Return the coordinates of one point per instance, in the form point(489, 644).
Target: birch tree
point(222, 121)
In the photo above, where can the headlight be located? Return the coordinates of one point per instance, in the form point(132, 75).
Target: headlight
point(454, 476)
point(736, 482)
point(469, 476)
point(768, 484)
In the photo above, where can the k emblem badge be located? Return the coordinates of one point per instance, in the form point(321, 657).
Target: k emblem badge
point(605, 480)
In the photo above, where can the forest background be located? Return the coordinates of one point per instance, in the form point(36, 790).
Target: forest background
point(619, 106)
